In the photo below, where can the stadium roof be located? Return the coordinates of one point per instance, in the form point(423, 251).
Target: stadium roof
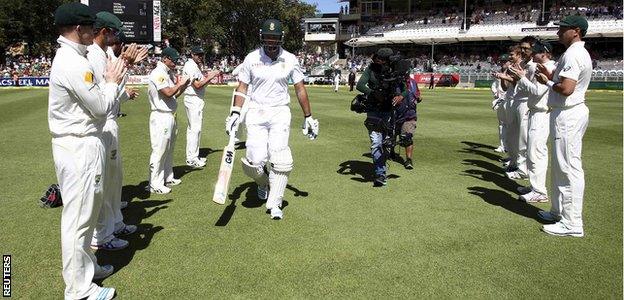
point(453, 34)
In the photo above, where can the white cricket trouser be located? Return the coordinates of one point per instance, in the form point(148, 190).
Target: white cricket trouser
point(268, 130)
point(523, 135)
point(110, 218)
point(513, 130)
point(537, 150)
point(163, 131)
point(194, 112)
point(567, 127)
point(501, 114)
point(336, 83)
point(79, 164)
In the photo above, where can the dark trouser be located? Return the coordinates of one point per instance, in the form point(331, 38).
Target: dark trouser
point(377, 138)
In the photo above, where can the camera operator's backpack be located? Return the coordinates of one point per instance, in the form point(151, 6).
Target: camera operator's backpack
point(52, 197)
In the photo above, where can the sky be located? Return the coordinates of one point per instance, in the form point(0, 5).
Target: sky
point(326, 6)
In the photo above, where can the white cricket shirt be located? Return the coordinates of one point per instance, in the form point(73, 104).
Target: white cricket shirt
point(538, 93)
point(574, 64)
point(77, 103)
point(161, 77)
point(268, 79)
point(191, 69)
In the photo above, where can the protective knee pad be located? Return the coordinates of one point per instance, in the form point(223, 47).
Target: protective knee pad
point(406, 139)
point(255, 172)
point(281, 160)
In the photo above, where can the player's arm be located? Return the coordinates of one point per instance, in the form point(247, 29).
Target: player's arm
point(568, 78)
point(238, 99)
point(99, 101)
point(198, 84)
point(302, 96)
point(177, 89)
point(362, 84)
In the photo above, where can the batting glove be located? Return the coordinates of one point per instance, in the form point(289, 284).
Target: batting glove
point(231, 122)
point(310, 127)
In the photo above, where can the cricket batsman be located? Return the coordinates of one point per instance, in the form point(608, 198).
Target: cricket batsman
point(268, 70)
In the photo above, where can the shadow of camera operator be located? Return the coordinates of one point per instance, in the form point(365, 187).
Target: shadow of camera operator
point(364, 169)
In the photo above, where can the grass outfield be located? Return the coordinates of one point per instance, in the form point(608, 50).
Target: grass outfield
point(450, 228)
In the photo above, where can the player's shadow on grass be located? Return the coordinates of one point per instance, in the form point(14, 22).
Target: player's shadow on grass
point(129, 192)
point(495, 177)
point(205, 152)
point(477, 145)
point(364, 169)
point(135, 213)
point(251, 200)
point(474, 148)
point(507, 201)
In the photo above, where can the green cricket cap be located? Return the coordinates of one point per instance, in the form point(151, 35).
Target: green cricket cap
point(171, 53)
point(74, 13)
point(541, 47)
point(574, 22)
point(197, 50)
point(106, 19)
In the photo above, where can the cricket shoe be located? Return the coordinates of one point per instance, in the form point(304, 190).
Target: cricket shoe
point(123, 205)
point(277, 213)
point(126, 230)
point(159, 190)
point(102, 293)
point(202, 159)
point(548, 216)
point(506, 164)
point(173, 182)
point(500, 149)
point(113, 245)
point(263, 192)
point(380, 181)
point(524, 189)
point(196, 163)
point(102, 272)
point(560, 229)
point(534, 197)
point(408, 164)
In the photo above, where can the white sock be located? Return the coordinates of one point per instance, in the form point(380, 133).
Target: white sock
point(277, 186)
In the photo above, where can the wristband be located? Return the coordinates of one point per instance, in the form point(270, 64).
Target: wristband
point(550, 83)
point(307, 116)
point(235, 110)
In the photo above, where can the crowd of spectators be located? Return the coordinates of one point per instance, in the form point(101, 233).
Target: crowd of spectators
point(26, 66)
point(517, 11)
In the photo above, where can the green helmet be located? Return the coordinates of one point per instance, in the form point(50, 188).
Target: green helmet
point(272, 31)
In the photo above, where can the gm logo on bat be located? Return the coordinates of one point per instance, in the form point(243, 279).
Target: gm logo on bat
point(228, 157)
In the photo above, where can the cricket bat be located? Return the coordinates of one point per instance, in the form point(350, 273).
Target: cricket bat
point(225, 171)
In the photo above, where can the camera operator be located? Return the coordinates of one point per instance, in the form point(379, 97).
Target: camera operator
point(383, 91)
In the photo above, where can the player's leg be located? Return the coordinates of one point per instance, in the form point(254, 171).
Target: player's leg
point(159, 133)
point(194, 112)
point(523, 129)
point(257, 151)
point(537, 157)
point(168, 164)
point(406, 139)
point(513, 136)
point(500, 114)
point(576, 120)
point(79, 166)
point(103, 237)
point(120, 228)
point(280, 158)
